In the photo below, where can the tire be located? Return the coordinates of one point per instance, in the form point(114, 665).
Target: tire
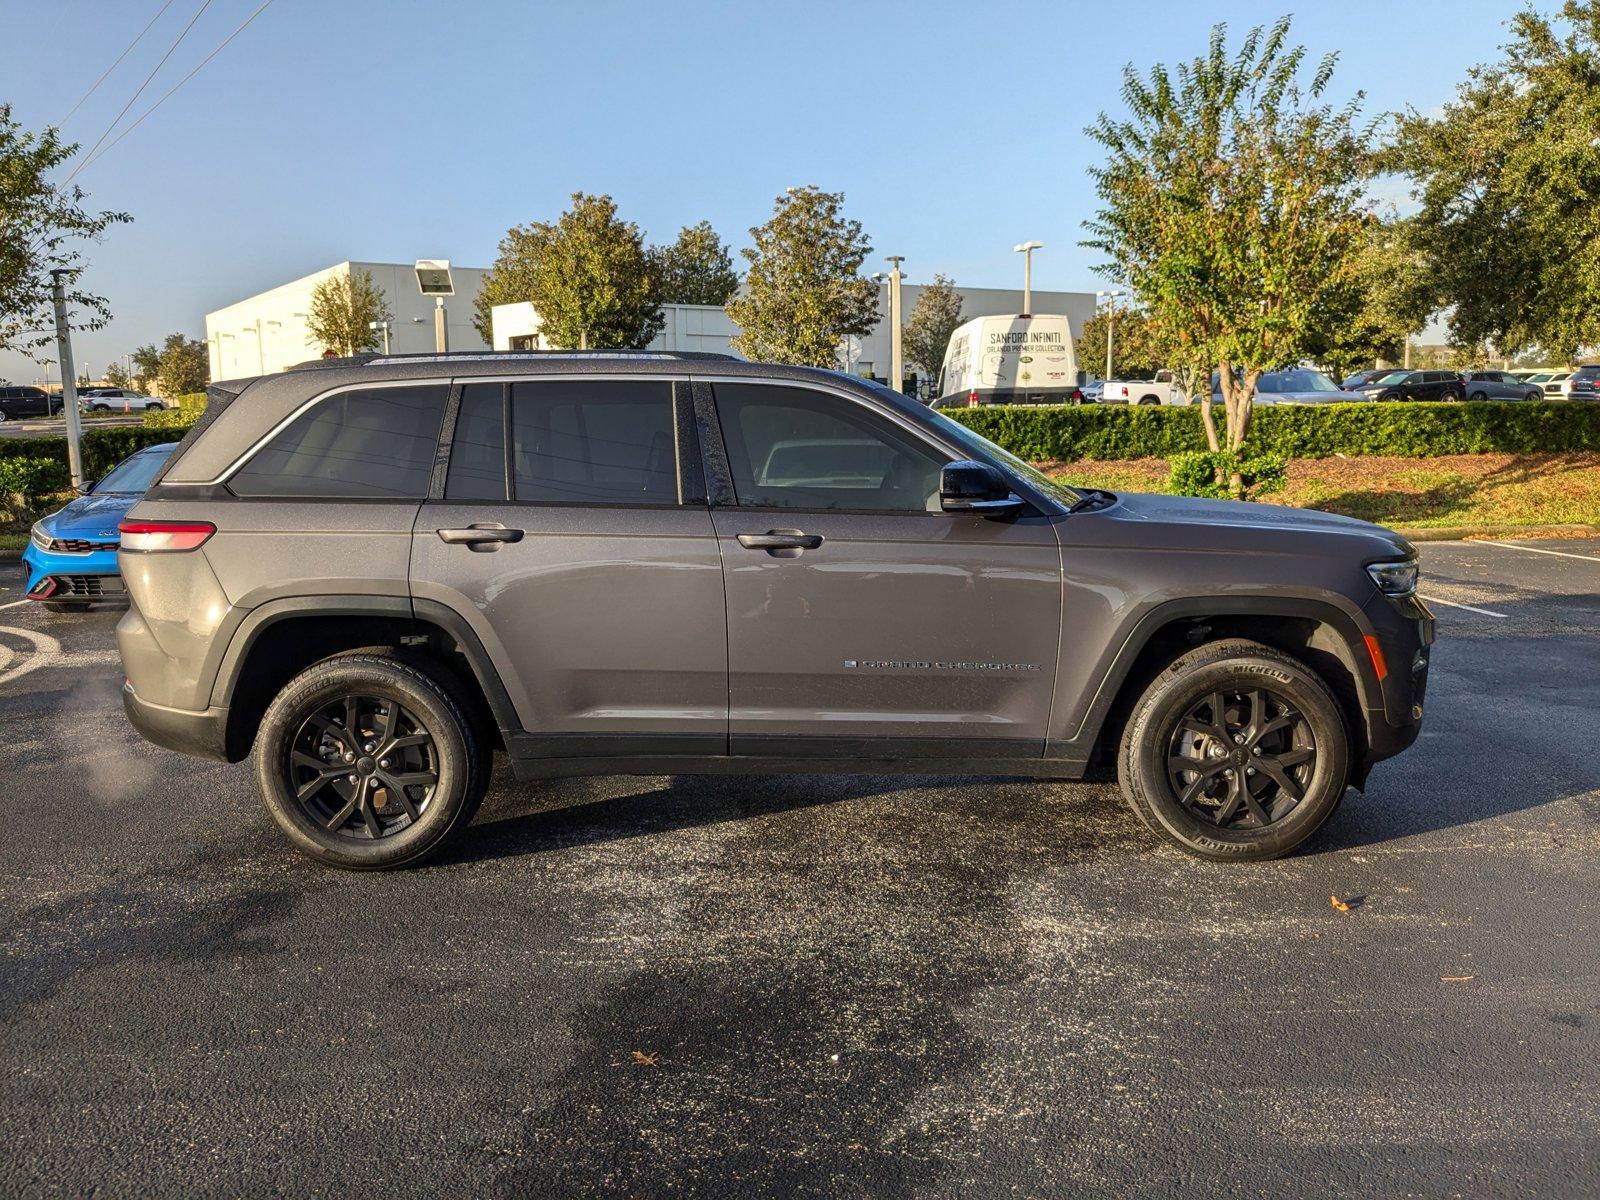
point(396, 813)
point(1164, 729)
point(4, 416)
point(154, 407)
point(1477, 396)
point(1450, 394)
point(100, 408)
point(1534, 394)
point(1149, 399)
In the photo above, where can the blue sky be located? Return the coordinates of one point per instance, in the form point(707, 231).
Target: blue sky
point(394, 129)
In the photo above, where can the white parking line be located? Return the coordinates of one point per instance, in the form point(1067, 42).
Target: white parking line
point(1456, 604)
point(15, 604)
point(1539, 550)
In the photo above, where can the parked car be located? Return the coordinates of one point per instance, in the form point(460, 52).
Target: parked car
point(117, 400)
point(1552, 384)
point(1584, 383)
point(1162, 388)
point(1416, 385)
point(372, 573)
point(1354, 383)
point(1498, 385)
point(1094, 391)
point(1297, 385)
point(71, 558)
point(17, 402)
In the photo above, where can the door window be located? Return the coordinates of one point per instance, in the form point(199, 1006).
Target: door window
point(798, 448)
point(594, 441)
point(367, 443)
point(478, 449)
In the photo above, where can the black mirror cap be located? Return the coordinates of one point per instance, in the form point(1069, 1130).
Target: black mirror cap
point(969, 486)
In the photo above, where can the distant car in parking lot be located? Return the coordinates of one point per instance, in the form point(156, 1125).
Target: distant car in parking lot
point(1160, 388)
point(71, 559)
point(1296, 385)
point(1553, 384)
point(1354, 383)
point(1416, 385)
point(17, 402)
point(117, 400)
point(1498, 385)
point(1094, 391)
point(1585, 383)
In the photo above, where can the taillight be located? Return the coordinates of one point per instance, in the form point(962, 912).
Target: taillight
point(972, 398)
point(154, 536)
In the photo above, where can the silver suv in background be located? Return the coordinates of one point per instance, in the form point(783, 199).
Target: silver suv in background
point(374, 574)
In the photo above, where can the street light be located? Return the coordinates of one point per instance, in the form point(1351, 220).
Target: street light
point(433, 279)
point(1110, 296)
point(384, 326)
point(1026, 249)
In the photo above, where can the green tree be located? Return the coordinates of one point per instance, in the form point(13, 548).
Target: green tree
point(184, 367)
point(803, 294)
point(342, 310)
point(40, 224)
point(118, 376)
point(591, 282)
point(695, 269)
point(146, 363)
point(1135, 353)
point(1387, 299)
point(510, 279)
point(934, 317)
point(1231, 204)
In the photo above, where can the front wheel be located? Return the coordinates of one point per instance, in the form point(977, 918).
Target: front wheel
point(368, 762)
point(1236, 752)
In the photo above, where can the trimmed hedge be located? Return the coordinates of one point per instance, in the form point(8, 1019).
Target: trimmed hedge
point(186, 414)
point(102, 448)
point(1041, 434)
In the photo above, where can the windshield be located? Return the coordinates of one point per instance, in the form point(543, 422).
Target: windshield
point(133, 476)
point(1392, 377)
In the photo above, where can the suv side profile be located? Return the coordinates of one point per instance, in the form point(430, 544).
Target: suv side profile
point(372, 574)
point(16, 402)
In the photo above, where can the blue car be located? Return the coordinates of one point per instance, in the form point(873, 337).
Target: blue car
point(71, 559)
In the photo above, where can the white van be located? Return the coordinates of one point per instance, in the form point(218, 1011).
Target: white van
point(1010, 360)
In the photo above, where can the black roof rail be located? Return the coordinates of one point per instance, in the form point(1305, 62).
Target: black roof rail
point(362, 360)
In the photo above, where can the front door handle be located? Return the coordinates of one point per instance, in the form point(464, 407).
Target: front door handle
point(487, 535)
point(776, 540)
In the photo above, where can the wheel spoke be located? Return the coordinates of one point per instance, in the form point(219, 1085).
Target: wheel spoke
point(410, 739)
point(1230, 806)
point(398, 792)
point(322, 725)
point(368, 813)
point(414, 778)
point(391, 713)
point(1282, 778)
point(1258, 713)
point(1219, 717)
point(1254, 805)
point(338, 819)
point(1275, 724)
point(1191, 793)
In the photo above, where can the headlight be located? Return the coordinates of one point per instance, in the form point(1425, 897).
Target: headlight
point(41, 539)
point(1394, 578)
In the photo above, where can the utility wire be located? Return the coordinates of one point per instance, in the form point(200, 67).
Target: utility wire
point(205, 4)
point(126, 51)
point(139, 120)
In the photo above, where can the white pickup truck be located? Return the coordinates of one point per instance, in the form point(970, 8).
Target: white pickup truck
point(1163, 389)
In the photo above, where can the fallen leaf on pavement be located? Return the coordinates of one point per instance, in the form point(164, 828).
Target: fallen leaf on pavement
point(1455, 978)
point(646, 1060)
point(1338, 904)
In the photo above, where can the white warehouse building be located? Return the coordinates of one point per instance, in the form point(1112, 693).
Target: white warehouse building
point(267, 332)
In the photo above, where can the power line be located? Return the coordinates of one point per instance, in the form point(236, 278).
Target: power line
point(139, 120)
point(126, 51)
point(205, 4)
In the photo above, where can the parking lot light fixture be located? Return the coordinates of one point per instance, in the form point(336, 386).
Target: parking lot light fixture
point(1026, 249)
point(1110, 296)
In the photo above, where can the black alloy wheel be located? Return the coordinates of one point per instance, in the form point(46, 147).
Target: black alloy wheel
point(1241, 759)
point(363, 767)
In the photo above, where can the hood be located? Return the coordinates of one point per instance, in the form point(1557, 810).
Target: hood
point(1193, 523)
point(91, 518)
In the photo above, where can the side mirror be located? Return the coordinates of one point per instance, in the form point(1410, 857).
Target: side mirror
point(87, 486)
point(975, 487)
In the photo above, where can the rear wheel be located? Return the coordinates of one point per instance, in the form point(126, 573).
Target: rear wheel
point(368, 762)
point(1450, 394)
point(1235, 752)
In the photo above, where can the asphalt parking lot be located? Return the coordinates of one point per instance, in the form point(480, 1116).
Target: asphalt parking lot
point(819, 986)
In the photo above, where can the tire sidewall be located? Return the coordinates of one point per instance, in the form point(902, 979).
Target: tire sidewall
point(1173, 698)
point(330, 681)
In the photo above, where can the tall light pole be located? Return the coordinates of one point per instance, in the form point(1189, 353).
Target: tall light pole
point(69, 377)
point(382, 326)
point(897, 358)
point(434, 279)
point(1026, 249)
point(1110, 298)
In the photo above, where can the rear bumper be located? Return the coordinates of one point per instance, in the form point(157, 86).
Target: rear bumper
point(203, 734)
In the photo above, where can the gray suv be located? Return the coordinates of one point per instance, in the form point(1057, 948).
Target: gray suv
point(372, 574)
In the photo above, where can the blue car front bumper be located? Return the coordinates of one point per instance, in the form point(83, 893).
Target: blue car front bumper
point(72, 578)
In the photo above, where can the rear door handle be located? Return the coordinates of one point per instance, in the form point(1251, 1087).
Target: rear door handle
point(474, 535)
point(780, 539)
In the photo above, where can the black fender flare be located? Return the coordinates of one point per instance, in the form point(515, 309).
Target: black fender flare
point(1350, 627)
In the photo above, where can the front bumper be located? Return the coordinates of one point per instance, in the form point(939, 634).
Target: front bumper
point(75, 578)
point(1404, 629)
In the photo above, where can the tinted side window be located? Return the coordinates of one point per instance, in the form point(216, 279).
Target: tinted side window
point(371, 442)
point(593, 441)
point(478, 450)
point(798, 448)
